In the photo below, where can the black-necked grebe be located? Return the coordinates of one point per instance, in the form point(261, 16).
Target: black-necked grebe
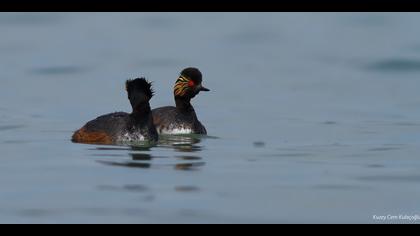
point(182, 118)
point(120, 126)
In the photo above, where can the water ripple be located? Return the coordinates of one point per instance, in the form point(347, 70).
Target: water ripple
point(392, 178)
point(395, 65)
point(128, 188)
point(59, 70)
point(381, 149)
point(10, 127)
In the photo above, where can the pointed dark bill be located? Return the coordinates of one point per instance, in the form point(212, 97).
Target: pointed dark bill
point(204, 89)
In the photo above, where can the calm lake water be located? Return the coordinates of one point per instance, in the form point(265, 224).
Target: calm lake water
point(312, 117)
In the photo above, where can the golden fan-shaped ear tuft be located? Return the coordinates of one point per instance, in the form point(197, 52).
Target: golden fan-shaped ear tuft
point(181, 86)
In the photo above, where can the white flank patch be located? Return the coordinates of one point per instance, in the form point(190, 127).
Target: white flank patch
point(131, 137)
point(177, 131)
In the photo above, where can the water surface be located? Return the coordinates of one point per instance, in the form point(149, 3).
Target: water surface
point(313, 117)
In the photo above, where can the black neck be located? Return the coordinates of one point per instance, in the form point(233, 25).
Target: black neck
point(141, 111)
point(183, 104)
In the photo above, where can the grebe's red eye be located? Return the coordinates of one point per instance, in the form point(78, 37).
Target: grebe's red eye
point(191, 83)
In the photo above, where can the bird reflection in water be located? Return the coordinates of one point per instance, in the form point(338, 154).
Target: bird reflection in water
point(140, 156)
point(181, 143)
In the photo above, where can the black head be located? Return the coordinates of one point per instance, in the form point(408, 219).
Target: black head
point(139, 91)
point(189, 83)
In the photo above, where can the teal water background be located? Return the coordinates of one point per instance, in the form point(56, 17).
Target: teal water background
point(313, 117)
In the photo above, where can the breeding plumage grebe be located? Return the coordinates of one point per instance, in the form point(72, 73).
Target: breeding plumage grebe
point(182, 118)
point(120, 126)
